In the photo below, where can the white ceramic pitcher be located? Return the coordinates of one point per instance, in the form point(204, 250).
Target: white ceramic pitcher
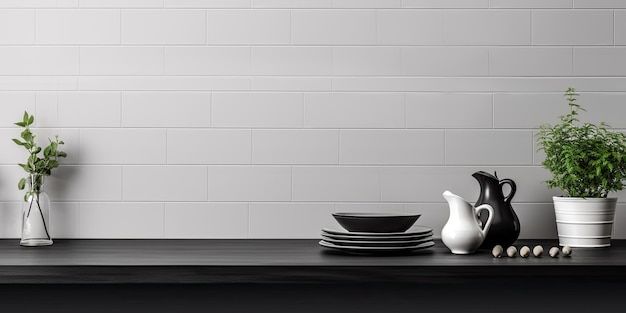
point(462, 233)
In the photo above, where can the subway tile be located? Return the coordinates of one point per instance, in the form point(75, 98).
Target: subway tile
point(291, 4)
point(344, 207)
point(13, 106)
point(530, 61)
point(363, 4)
point(121, 61)
point(9, 177)
point(607, 107)
point(248, 27)
point(257, 110)
point(159, 83)
point(410, 27)
point(620, 27)
point(115, 4)
point(166, 109)
point(46, 109)
point(289, 220)
point(39, 4)
point(344, 27)
point(88, 109)
point(427, 184)
point(14, 154)
point(519, 110)
point(209, 146)
point(165, 183)
point(387, 146)
point(295, 146)
point(292, 84)
point(163, 27)
point(516, 110)
point(600, 61)
point(317, 183)
point(298, 61)
point(84, 26)
point(449, 110)
point(249, 183)
point(489, 147)
point(85, 183)
point(619, 223)
point(366, 61)
point(206, 220)
point(539, 155)
point(209, 4)
point(70, 137)
point(445, 61)
point(433, 215)
point(17, 26)
point(39, 61)
point(123, 146)
point(207, 61)
point(65, 220)
point(140, 220)
point(354, 110)
point(531, 4)
point(446, 4)
point(476, 84)
point(10, 220)
point(599, 4)
point(537, 220)
point(478, 27)
point(40, 83)
point(572, 27)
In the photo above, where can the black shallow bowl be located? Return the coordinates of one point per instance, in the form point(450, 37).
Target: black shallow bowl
point(376, 222)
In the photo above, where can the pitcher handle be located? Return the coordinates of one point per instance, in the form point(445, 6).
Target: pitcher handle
point(513, 188)
point(489, 208)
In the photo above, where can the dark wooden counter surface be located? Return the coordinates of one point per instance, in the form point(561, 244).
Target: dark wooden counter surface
point(286, 261)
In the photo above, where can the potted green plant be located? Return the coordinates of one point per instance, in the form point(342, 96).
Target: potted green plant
point(587, 162)
point(40, 162)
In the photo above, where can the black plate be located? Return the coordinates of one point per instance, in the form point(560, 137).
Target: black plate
point(379, 250)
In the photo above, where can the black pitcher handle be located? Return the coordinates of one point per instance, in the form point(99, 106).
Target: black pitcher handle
point(513, 188)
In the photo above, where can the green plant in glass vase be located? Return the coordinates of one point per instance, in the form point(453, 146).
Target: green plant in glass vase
point(587, 162)
point(40, 163)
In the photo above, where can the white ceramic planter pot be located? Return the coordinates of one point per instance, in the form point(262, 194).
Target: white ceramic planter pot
point(584, 222)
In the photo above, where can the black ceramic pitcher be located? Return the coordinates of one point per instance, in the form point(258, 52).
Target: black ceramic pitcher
point(505, 225)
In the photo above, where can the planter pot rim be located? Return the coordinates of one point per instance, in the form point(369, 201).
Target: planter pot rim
point(578, 199)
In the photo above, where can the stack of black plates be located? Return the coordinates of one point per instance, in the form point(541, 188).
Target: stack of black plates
point(416, 238)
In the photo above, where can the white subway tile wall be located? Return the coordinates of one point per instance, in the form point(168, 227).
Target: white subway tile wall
point(260, 118)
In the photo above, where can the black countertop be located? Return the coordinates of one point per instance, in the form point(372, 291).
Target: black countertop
point(286, 261)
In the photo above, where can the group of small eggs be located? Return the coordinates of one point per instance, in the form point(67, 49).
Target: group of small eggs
point(524, 251)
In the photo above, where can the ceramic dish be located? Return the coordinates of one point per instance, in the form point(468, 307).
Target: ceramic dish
point(376, 222)
point(378, 250)
point(377, 244)
point(376, 238)
point(415, 230)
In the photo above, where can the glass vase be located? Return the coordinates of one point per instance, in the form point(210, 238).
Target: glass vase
point(36, 214)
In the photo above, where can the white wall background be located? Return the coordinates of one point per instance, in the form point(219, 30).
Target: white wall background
point(259, 118)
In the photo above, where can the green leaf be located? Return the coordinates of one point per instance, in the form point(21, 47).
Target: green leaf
point(20, 124)
point(18, 142)
point(21, 184)
point(31, 120)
